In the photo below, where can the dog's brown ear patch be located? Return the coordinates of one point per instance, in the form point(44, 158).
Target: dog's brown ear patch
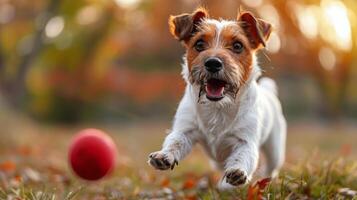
point(257, 30)
point(183, 26)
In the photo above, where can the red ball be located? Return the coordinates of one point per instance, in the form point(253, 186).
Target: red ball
point(92, 154)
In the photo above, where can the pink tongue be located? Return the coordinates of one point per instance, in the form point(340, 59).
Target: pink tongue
point(215, 88)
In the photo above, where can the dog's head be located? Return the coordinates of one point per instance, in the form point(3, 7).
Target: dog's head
point(219, 53)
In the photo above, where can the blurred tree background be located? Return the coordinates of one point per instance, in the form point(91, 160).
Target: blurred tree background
point(69, 61)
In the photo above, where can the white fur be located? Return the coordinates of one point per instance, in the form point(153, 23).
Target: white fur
point(231, 130)
point(219, 26)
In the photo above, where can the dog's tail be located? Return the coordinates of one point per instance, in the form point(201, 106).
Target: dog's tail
point(269, 84)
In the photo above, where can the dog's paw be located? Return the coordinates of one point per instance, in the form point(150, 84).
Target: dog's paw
point(162, 160)
point(236, 177)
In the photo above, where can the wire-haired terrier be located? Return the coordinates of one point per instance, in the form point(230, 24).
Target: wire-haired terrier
point(225, 108)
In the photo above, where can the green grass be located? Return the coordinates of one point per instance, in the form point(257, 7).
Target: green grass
point(321, 164)
point(23, 192)
point(313, 179)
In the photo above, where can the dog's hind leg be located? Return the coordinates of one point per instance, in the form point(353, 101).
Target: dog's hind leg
point(274, 148)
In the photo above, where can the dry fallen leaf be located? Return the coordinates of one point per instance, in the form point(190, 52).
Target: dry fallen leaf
point(189, 183)
point(191, 197)
point(255, 192)
point(8, 166)
point(263, 183)
point(165, 182)
point(18, 178)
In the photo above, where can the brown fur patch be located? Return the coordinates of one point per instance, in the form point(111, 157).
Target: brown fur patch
point(237, 67)
point(183, 26)
point(231, 34)
point(257, 30)
point(207, 32)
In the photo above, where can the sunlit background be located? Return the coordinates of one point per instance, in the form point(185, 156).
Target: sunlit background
point(115, 61)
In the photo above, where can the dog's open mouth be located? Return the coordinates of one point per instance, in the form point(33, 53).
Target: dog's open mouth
point(214, 89)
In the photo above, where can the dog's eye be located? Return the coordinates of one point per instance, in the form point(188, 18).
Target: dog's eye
point(237, 47)
point(200, 45)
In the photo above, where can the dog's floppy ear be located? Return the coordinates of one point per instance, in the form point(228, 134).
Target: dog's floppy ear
point(257, 30)
point(183, 26)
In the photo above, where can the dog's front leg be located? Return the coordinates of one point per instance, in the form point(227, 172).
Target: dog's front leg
point(176, 146)
point(181, 139)
point(242, 163)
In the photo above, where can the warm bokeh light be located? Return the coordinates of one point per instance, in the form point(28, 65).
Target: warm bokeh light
point(54, 27)
point(327, 58)
point(329, 20)
point(274, 43)
point(7, 12)
point(307, 20)
point(127, 3)
point(253, 3)
point(336, 28)
point(270, 14)
point(87, 15)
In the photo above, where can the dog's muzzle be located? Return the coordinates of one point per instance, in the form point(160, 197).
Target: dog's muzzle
point(214, 87)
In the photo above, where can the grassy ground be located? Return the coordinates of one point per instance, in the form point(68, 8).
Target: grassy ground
point(321, 164)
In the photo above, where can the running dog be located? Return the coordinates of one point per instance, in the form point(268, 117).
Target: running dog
point(225, 108)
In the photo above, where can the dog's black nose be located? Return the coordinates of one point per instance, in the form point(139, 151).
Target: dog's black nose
point(213, 64)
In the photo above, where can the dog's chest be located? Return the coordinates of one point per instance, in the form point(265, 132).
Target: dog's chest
point(215, 129)
point(215, 122)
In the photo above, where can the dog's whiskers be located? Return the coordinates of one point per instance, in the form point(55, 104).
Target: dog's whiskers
point(200, 94)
